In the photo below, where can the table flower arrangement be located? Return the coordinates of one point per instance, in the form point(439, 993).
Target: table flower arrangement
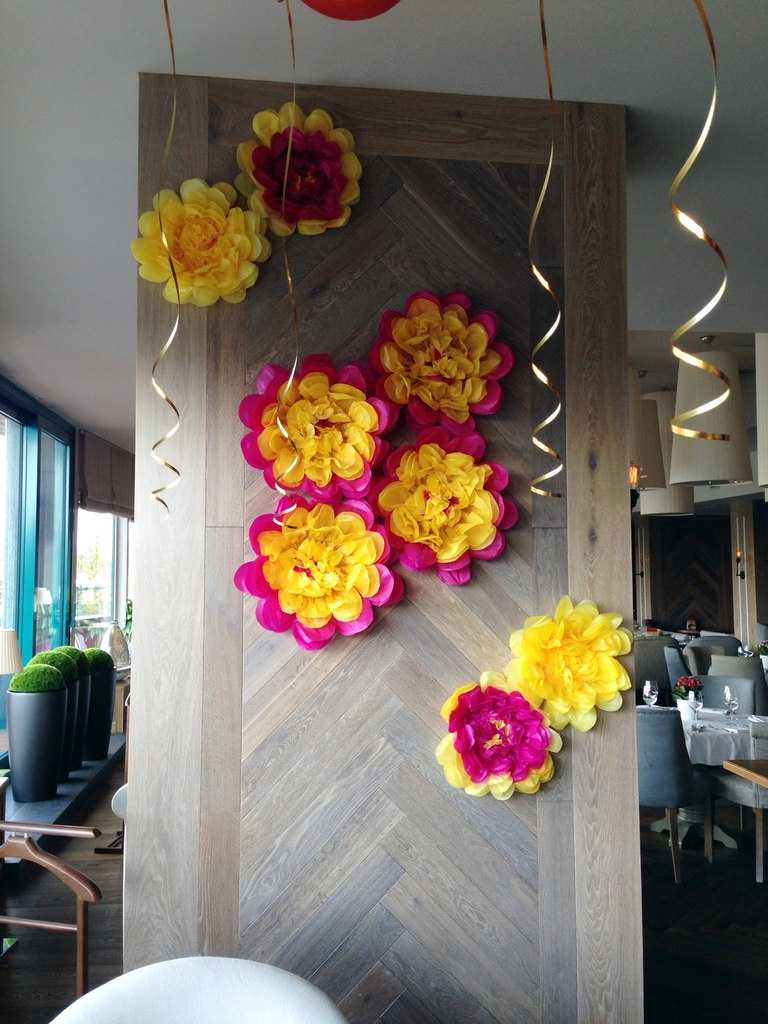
point(685, 686)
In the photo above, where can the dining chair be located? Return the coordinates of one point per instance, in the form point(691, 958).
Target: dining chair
point(729, 643)
point(676, 666)
point(698, 653)
point(650, 663)
point(744, 690)
point(666, 777)
point(206, 990)
point(745, 668)
point(727, 786)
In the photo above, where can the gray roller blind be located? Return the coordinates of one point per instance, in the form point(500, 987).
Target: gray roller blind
point(105, 476)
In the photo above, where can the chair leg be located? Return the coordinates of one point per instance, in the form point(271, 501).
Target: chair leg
point(759, 825)
point(709, 825)
point(674, 842)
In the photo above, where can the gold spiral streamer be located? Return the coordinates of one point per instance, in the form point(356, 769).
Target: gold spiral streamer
point(544, 283)
point(285, 389)
point(692, 226)
point(157, 387)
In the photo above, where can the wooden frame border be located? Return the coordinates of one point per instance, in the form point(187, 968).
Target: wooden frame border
point(181, 884)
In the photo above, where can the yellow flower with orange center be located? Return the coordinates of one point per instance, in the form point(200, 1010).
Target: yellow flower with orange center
point(568, 665)
point(440, 360)
point(215, 246)
point(321, 182)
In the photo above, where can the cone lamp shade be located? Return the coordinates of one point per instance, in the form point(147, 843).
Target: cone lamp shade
point(697, 461)
point(676, 500)
point(761, 390)
point(10, 657)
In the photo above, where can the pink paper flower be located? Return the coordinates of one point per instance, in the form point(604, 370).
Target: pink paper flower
point(443, 505)
point(319, 570)
point(334, 429)
point(441, 361)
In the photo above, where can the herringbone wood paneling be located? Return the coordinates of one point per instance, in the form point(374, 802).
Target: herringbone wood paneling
point(360, 868)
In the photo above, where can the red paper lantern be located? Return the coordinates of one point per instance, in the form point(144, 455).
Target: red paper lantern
point(351, 10)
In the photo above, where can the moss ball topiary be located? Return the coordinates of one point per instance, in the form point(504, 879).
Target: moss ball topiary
point(37, 679)
point(99, 661)
point(77, 656)
point(66, 665)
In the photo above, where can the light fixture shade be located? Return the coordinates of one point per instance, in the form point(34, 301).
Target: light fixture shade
point(697, 461)
point(633, 419)
point(666, 501)
point(10, 656)
point(761, 390)
point(651, 462)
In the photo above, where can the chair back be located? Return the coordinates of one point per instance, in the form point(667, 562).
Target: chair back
point(758, 738)
point(650, 663)
point(762, 633)
point(744, 668)
point(664, 771)
point(729, 643)
point(698, 659)
point(742, 689)
point(676, 667)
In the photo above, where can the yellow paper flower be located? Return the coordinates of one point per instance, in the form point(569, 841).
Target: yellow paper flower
point(497, 743)
point(322, 181)
point(214, 245)
point(568, 665)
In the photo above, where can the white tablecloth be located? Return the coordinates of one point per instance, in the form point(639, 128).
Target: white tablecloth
point(722, 738)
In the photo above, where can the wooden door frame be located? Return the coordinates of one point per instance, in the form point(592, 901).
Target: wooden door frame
point(185, 787)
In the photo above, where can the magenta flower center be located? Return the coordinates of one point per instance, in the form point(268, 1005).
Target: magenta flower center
point(498, 733)
point(315, 176)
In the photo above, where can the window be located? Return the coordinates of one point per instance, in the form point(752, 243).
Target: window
point(10, 519)
point(101, 568)
point(51, 578)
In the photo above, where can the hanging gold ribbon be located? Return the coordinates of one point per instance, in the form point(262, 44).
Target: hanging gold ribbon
point(544, 283)
point(157, 387)
point(285, 390)
point(692, 226)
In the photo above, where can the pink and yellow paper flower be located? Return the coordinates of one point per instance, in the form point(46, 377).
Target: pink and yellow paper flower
point(334, 429)
point(215, 246)
point(323, 174)
point(568, 665)
point(321, 571)
point(444, 506)
point(441, 361)
point(497, 742)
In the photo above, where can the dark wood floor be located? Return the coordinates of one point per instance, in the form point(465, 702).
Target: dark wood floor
point(706, 940)
point(37, 976)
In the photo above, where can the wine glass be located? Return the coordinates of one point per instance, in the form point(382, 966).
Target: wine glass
point(650, 692)
point(730, 701)
point(696, 703)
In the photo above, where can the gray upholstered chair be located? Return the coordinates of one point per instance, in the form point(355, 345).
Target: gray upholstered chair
point(698, 654)
point(761, 634)
point(665, 775)
point(744, 690)
point(729, 643)
point(676, 666)
point(650, 663)
point(727, 786)
point(745, 668)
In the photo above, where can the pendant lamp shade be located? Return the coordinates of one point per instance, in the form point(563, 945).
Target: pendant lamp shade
point(10, 658)
point(761, 390)
point(651, 462)
point(697, 461)
point(676, 500)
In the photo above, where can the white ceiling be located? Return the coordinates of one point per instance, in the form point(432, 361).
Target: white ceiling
point(68, 78)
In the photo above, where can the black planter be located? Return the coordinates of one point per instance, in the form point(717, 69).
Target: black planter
point(70, 723)
point(81, 720)
point(100, 712)
point(35, 740)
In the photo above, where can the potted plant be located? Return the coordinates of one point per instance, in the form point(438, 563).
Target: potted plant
point(99, 726)
point(83, 701)
point(687, 692)
point(37, 708)
point(762, 650)
point(68, 668)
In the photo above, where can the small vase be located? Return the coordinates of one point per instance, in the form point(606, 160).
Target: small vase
point(35, 739)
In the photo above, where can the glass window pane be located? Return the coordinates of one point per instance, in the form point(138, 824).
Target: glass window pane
point(10, 520)
point(95, 575)
point(51, 583)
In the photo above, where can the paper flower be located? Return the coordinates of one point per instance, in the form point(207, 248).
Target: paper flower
point(441, 361)
point(334, 428)
point(322, 177)
point(569, 665)
point(444, 506)
point(215, 246)
point(496, 742)
point(321, 572)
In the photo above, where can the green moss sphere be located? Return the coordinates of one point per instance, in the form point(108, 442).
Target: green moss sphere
point(66, 665)
point(99, 661)
point(37, 679)
point(77, 656)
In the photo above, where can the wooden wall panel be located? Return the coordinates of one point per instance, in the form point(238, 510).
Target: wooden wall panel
point(358, 866)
